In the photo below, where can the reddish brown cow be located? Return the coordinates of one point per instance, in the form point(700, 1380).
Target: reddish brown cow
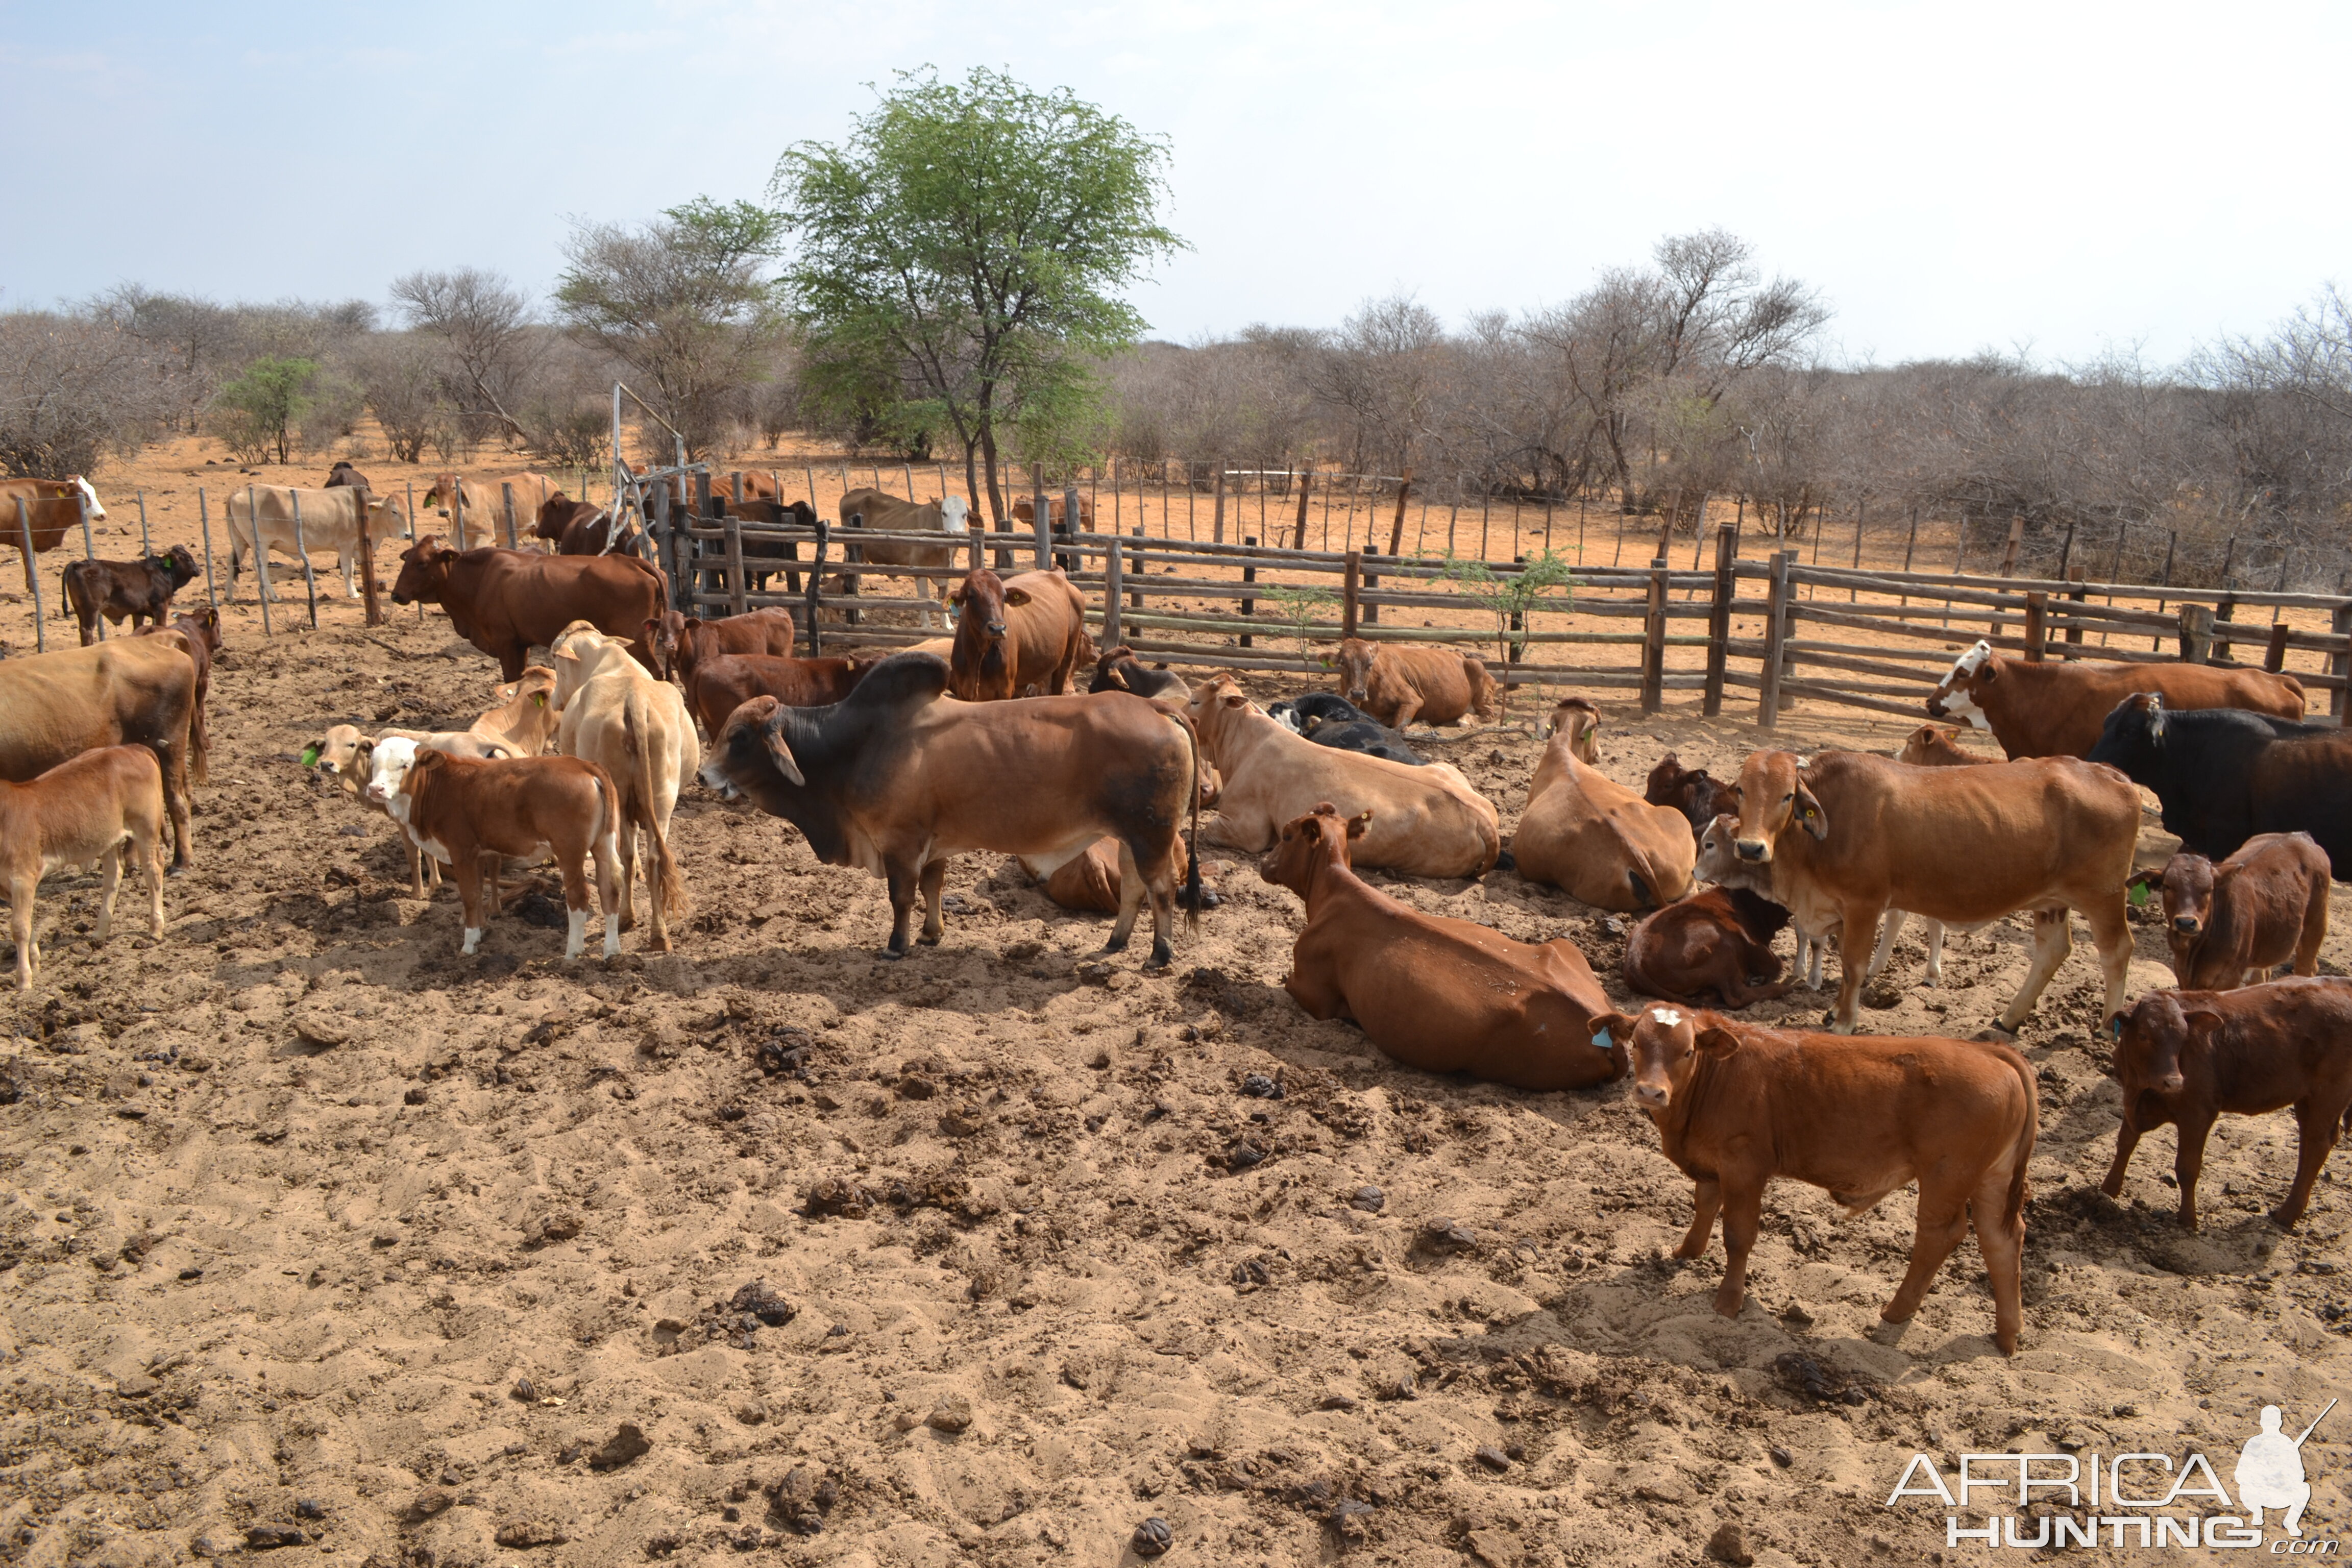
point(458, 808)
point(1397, 685)
point(1700, 796)
point(681, 642)
point(1013, 633)
point(722, 685)
point(88, 807)
point(1856, 1115)
point(559, 512)
point(1118, 669)
point(49, 512)
point(137, 590)
point(1444, 996)
point(506, 601)
point(201, 639)
point(1934, 746)
point(1718, 941)
point(2185, 1056)
point(2053, 710)
point(2229, 924)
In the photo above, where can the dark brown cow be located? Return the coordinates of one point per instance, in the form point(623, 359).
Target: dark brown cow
point(681, 642)
point(1856, 1115)
point(1717, 942)
point(559, 512)
point(137, 691)
point(506, 601)
point(1397, 685)
point(720, 685)
point(342, 476)
point(91, 808)
point(2053, 710)
point(2229, 925)
point(458, 808)
point(1445, 995)
point(2185, 1056)
point(137, 590)
point(1118, 669)
point(197, 635)
point(1699, 795)
point(1013, 633)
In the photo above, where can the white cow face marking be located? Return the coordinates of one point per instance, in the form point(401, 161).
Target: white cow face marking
point(952, 512)
point(1958, 704)
point(1666, 1016)
point(90, 496)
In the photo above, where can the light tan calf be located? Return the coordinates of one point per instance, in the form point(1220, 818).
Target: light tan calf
point(83, 809)
point(1589, 835)
point(616, 714)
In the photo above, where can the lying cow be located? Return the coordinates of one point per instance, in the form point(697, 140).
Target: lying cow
point(52, 508)
point(1849, 837)
point(1712, 945)
point(2185, 1056)
point(1444, 996)
point(637, 729)
point(719, 686)
point(198, 635)
point(1425, 821)
point(342, 476)
point(1859, 1117)
point(1013, 633)
point(1934, 746)
point(680, 643)
point(1699, 795)
point(331, 520)
point(895, 778)
point(86, 808)
point(2224, 777)
point(1118, 669)
point(505, 601)
point(872, 510)
point(2229, 925)
point(135, 591)
point(135, 691)
point(1329, 718)
point(1589, 835)
point(460, 809)
point(2054, 710)
point(1397, 684)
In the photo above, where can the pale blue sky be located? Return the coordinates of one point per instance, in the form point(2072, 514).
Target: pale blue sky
point(1952, 175)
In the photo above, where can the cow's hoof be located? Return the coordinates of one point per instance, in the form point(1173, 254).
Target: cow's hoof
point(1506, 861)
point(2285, 1220)
point(1116, 944)
point(180, 870)
point(931, 939)
point(893, 954)
point(1997, 1035)
point(1161, 955)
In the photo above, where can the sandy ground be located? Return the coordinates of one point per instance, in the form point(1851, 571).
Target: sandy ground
point(314, 1231)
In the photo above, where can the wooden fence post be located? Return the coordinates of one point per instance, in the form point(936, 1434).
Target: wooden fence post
point(733, 526)
point(1110, 595)
point(33, 575)
point(261, 560)
point(1396, 528)
point(2037, 625)
point(1135, 595)
point(2225, 647)
point(2076, 596)
point(1039, 518)
point(205, 522)
point(1654, 639)
point(506, 505)
point(2274, 656)
point(1249, 604)
point(1353, 585)
point(1718, 622)
point(1776, 619)
point(1217, 518)
point(1070, 529)
point(371, 608)
point(2196, 633)
point(310, 579)
point(2016, 537)
point(1306, 485)
point(2340, 665)
point(1371, 582)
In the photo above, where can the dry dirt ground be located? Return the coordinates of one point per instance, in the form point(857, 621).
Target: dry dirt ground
point(317, 1236)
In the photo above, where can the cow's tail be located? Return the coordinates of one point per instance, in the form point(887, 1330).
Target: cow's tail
point(1482, 686)
point(2013, 1209)
point(1192, 896)
point(665, 866)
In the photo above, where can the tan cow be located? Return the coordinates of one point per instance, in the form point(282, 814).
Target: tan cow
point(485, 504)
point(1849, 837)
point(863, 509)
point(132, 691)
point(331, 521)
point(1013, 634)
point(1397, 684)
point(1589, 835)
point(84, 809)
point(637, 729)
point(1426, 821)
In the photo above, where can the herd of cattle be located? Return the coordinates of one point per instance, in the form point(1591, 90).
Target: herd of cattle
point(614, 704)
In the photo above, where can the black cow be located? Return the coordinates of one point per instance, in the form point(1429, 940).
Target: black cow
point(1697, 794)
point(1119, 670)
point(896, 779)
point(1329, 718)
point(344, 476)
point(2224, 775)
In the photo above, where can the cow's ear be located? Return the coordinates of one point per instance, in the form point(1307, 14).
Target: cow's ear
point(1610, 1031)
point(1717, 1042)
point(1809, 815)
point(2202, 1022)
point(1016, 596)
point(1235, 699)
point(1357, 823)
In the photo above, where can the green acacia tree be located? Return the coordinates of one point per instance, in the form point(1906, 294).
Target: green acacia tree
point(260, 411)
point(967, 244)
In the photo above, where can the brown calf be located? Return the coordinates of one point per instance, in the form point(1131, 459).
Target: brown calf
point(200, 637)
point(1856, 1115)
point(1699, 795)
point(722, 685)
point(1397, 684)
point(456, 808)
point(2185, 1057)
point(2229, 925)
point(1934, 746)
point(680, 643)
point(82, 810)
point(137, 590)
point(1444, 996)
point(1717, 941)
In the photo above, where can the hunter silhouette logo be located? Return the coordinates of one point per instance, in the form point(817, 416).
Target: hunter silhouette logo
point(2269, 1471)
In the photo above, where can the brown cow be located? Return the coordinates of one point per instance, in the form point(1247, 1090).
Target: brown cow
point(2229, 925)
point(579, 527)
point(86, 808)
point(2053, 710)
point(1859, 1116)
point(1849, 837)
point(136, 691)
point(458, 808)
point(1014, 632)
point(1025, 511)
point(1720, 864)
point(137, 590)
point(1444, 996)
point(2185, 1056)
point(1699, 795)
point(1397, 685)
point(723, 684)
point(1118, 669)
point(681, 642)
point(1716, 940)
point(1935, 746)
point(1587, 834)
point(52, 507)
point(506, 601)
point(198, 635)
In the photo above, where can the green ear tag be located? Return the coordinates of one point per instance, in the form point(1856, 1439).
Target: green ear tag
point(2139, 895)
point(310, 756)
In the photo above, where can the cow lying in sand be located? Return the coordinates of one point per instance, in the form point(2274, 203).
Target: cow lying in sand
point(1589, 835)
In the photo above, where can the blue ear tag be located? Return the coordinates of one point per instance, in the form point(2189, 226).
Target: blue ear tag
point(2115, 1025)
point(1602, 1042)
